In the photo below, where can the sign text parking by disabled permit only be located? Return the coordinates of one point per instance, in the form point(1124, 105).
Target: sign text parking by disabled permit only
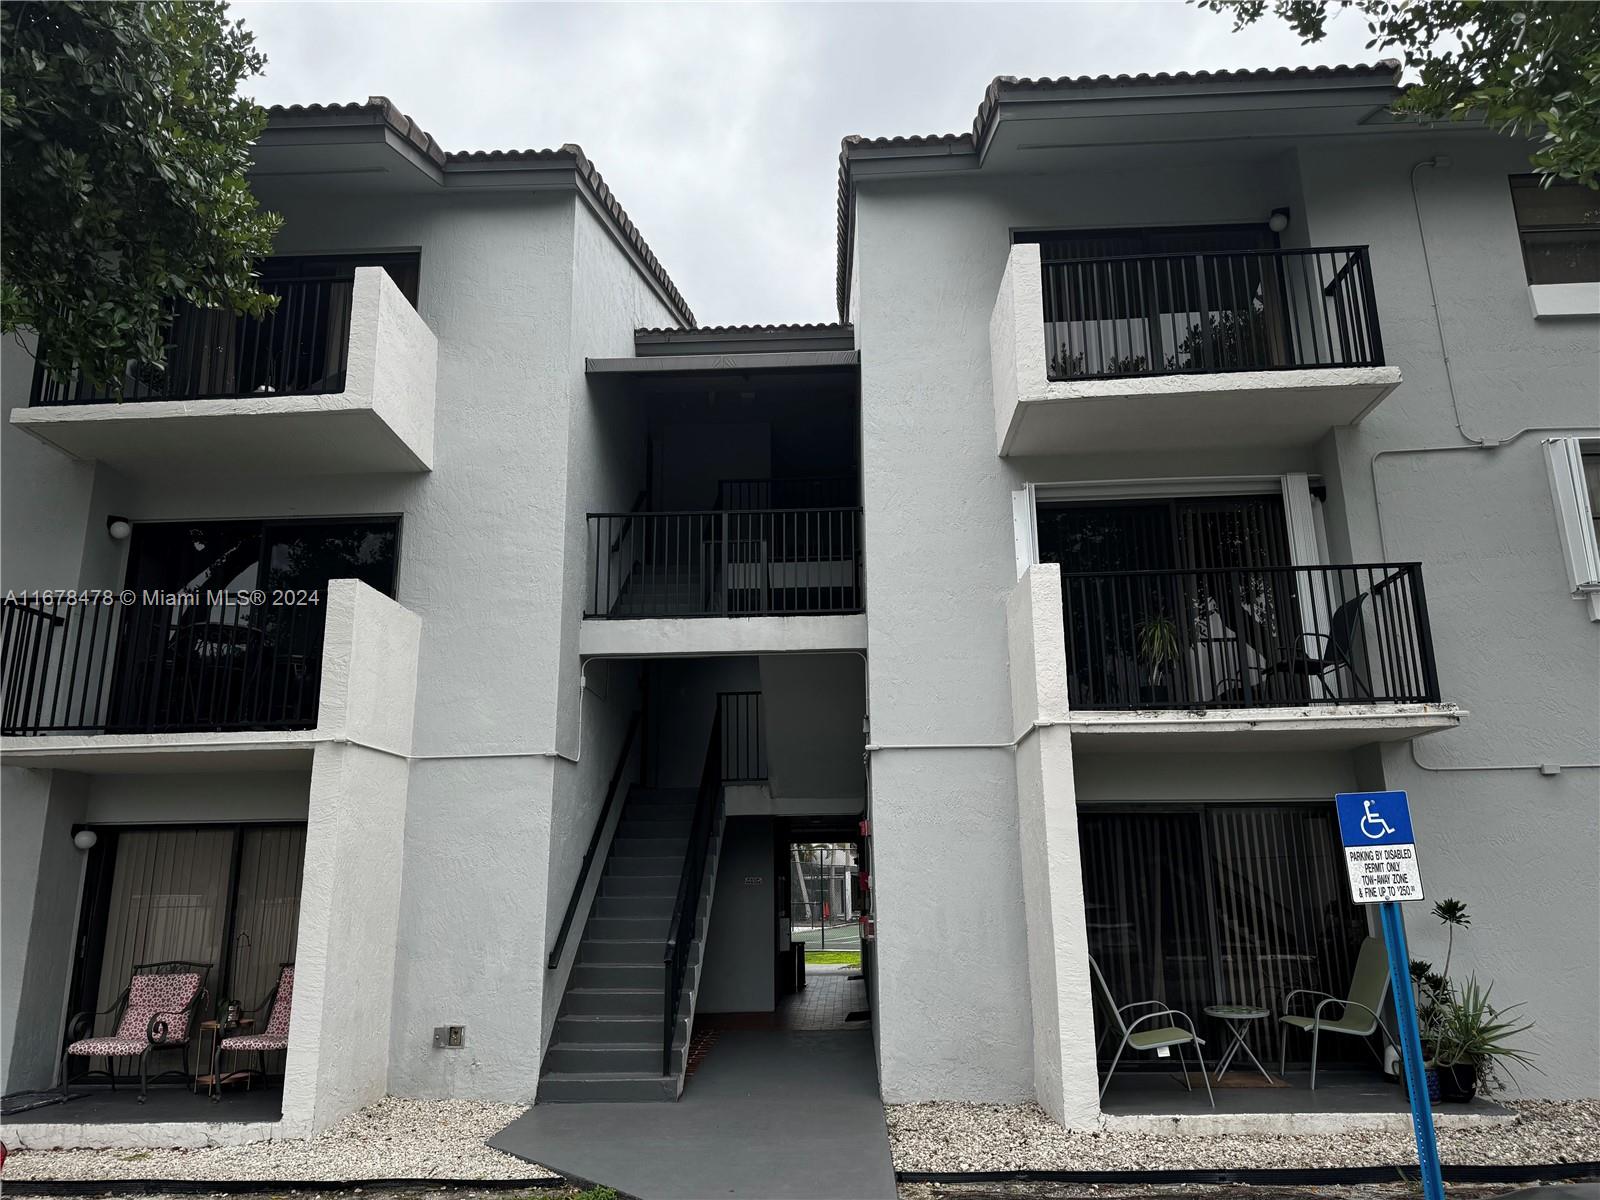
point(1379, 848)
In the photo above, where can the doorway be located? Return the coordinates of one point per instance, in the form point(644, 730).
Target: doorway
point(226, 897)
point(823, 975)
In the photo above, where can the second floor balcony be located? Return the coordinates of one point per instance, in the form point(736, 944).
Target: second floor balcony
point(725, 563)
point(124, 680)
point(1269, 347)
point(338, 378)
point(1263, 657)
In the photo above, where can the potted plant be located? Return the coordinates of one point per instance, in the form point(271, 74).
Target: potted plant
point(1464, 1036)
point(1471, 1039)
point(1159, 648)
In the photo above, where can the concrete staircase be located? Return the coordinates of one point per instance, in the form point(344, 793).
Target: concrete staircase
point(606, 1045)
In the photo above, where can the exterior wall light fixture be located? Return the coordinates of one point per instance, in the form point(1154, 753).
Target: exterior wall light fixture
point(1279, 220)
point(119, 528)
point(85, 839)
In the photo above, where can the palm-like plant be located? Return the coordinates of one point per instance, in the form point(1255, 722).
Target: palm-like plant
point(1470, 1031)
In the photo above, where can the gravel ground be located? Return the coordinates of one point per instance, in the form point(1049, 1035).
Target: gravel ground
point(392, 1139)
point(998, 1137)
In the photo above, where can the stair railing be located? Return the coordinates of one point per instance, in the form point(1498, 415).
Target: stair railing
point(686, 906)
point(591, 855)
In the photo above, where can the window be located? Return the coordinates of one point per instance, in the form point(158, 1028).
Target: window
point(1574, 466)
point(1560, 230)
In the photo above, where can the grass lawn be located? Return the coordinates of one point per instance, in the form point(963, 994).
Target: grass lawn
point(837, 958)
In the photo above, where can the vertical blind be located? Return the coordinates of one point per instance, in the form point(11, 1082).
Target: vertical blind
point(1219, 904)
point(174, 896)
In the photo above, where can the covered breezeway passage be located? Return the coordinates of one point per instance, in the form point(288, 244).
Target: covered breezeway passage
point(781, 1094)
point(768, 1114)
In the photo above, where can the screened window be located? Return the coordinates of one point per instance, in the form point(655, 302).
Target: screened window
point(1560, 230)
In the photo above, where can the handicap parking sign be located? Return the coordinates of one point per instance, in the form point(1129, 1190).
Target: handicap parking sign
point(1379, 848)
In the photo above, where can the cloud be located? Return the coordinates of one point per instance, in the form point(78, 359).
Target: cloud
point(718, 126)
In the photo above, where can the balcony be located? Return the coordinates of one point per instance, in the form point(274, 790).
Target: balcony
point(660, 570)
point(1309, 655)
point(1267, 348)
point(339, 378)
point(115, 680)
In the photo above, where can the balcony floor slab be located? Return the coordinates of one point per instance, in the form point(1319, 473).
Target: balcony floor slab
point(1312, 727)
point(314, 435)
point(1242, 409)
point(669, 637)
point(146, 753)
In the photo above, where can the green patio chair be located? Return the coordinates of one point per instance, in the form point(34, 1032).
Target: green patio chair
point(1360, 1012)
point(1177, 1032)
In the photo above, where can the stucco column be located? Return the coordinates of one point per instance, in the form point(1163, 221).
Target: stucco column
point(40, 874)
point(338, 1056)
point(1065, 1080)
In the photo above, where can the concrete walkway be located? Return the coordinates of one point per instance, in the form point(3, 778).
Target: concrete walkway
point(768, 1115)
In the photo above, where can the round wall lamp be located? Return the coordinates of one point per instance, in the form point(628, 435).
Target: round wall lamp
point(1279, 220)
point(85, 839)
point(119, 528)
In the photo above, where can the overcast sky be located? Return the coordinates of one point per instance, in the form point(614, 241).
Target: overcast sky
point(718, 126)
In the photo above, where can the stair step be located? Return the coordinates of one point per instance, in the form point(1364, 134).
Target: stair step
point(584, 1058)
point(652, 827)
point(613, 1029)
point(646, 907)
point(611, 975)
point(639, 885)
point(632, 951)
point(622, 847)
point(628, 929)
point(616, 1002)
point(599, 1087)
point(646, 865)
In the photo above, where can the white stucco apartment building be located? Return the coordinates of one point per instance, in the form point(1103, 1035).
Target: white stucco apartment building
point(1068, 577)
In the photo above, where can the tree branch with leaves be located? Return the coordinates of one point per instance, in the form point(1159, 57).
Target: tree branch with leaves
point(1528, 68)
point(122, 162)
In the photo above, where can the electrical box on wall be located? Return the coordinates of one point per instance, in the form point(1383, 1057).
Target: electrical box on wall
point(449, 1037)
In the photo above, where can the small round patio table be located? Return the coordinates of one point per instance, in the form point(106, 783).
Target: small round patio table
point(1237, 1018)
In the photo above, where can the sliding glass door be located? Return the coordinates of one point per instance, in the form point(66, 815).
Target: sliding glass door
point(1223, 903)
point(226, 897)
point(1175, 603)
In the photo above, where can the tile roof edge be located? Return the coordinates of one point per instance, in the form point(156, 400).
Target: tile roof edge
point(994, 95)
point(422, 141)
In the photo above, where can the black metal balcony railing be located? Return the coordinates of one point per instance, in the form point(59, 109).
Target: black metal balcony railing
point(831, 491)
point(744, 747)
point(1248, 638)
point(1175, 314)
point(300, 348)
point(104, 665)
point(743, 563)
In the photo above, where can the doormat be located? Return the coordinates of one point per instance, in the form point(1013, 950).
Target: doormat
point(860, 1014)
point(1243, 1079)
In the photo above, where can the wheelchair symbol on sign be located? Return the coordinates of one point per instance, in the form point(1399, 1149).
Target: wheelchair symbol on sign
point(1372, 824)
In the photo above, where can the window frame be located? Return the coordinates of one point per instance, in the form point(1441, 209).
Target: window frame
point(1523, 182)
point(1575, 515)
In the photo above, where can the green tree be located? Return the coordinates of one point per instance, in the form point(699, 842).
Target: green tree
point(123, 151)
point(1525, 67)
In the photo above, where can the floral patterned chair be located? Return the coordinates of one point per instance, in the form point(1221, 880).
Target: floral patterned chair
point(156, 1011)
point(275, 1036)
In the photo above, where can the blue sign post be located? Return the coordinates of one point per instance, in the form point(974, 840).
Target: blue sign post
point(1381, 854)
